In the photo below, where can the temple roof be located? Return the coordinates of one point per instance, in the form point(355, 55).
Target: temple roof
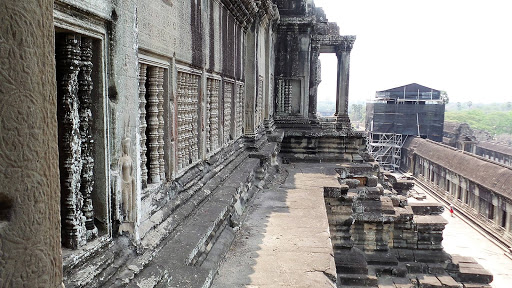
point(503, 149)
point(489, 174)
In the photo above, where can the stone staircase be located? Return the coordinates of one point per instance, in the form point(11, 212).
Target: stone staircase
point(187, 238)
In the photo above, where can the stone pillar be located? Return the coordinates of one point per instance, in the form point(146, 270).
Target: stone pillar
point(343, 54)
point(314, 80)
point(30, 250)
point(251, 83)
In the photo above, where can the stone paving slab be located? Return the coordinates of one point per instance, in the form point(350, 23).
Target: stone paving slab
point(461, 239)
point(284, 241)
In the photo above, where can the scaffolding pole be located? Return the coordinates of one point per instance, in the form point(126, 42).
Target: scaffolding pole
point(386, 149)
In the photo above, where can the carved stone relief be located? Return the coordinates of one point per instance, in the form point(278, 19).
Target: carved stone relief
point(284, 91)
point(29, 230)
point(212, 114)
point(259, 102)
point(128, 194)
point(228, 96)
point(239, 107)
point(187, 119)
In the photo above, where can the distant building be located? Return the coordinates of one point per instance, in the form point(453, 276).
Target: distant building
point(395, 114)
point(460, 136)
point(411, 109)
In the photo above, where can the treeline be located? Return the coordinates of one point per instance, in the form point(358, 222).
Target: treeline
point(494, 118)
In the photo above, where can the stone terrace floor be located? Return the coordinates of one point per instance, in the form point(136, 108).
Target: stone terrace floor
point(462, 239)
point(284, 241)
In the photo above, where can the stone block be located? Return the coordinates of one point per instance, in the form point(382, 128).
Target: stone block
point(372, 181)
point(474, 274)
point(385, 282)
point(416, 268)
point(436, 268)
point(402, 282)
point(334, 192)
point(426, 208)
point(425, 256)
point(475, 285)
point(428, 281)
point(448, 281)
point(357, 280)
point(404, 255)
point(387, 258)
point(350, 261)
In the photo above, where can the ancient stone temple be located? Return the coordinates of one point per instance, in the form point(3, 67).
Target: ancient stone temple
point(133, 135)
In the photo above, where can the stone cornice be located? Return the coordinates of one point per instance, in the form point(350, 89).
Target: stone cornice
point(343, 43)
point(246, 12)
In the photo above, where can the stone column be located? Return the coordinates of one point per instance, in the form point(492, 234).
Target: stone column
point(251, 83)
point(314, 80)
point(343, 54)
point(30, 251)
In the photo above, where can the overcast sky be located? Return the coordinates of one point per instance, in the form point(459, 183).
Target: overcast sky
point(461, 46)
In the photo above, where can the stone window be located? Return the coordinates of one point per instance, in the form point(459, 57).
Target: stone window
point(151, 114)
point(490, 211)
point(81, 136)
point(187, 122)
point(212, 114)
point(227, 111)
point(503, 218)
point(239, 106)
point(259, 102)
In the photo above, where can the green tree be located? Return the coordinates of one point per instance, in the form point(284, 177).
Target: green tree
point(444, 97)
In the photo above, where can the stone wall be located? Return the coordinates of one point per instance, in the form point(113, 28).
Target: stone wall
point(478, 193)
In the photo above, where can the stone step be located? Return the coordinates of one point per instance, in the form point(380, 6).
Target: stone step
point(357, 280)
point(156, 238)
point(180, 258)
point(428, 281)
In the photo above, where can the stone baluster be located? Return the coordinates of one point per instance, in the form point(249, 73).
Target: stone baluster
point(68, 65)
point(152, 112)
point(228, 94)
point(259, 102)
point(161, 153)
point(239, 109)
point(142, 116)
point(85, 86)
point(208, 130)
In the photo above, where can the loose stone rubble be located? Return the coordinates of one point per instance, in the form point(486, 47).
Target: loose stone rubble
point(379, 239)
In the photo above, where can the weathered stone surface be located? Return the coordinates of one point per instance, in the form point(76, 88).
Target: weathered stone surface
point(428, 281)
point(474, 274)
point(448, 281)
point(30, 251)
point(420, 208)
point(350, 261)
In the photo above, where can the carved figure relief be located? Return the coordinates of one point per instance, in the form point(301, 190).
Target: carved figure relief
point(228, 96)
point(187, 119)
point(128, 193)
point(74, 86)
point(212, 114)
